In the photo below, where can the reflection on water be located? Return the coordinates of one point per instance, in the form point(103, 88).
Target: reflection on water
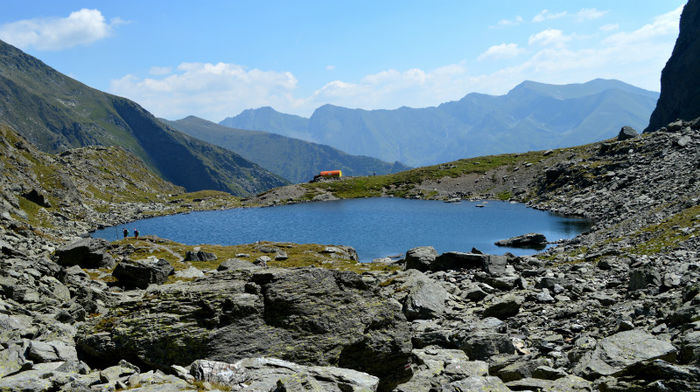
point(374, 227)
point(571, 227)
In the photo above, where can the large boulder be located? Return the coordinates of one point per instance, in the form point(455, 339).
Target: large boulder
point(87, 253)
point(425, 299)
point(529, 240)
point(627, 133)
point(141, 273)
point(271, 374)
point(420, 258)
point(308, 316)
point(615, 354)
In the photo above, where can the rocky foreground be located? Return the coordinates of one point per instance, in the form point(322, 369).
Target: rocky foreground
point(615, 309)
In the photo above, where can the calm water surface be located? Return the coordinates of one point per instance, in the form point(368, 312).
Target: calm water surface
point(375, 227)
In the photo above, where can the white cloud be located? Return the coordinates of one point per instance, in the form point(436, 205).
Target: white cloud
point(610, 27)
point(549, 37)
point(214, 91)
point(155, 70)
point(209, 90)
point(589, 14)
point(511, 22)
point(330, 67)
point(81, 27)
point(662, 26)
point(547, 15)
point(501, 51)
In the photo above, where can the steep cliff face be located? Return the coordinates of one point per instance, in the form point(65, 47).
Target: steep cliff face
point(680, 78)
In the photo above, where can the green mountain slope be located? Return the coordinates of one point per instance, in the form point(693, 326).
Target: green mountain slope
point(293, 159)
point(532, 116)
point(55, 113)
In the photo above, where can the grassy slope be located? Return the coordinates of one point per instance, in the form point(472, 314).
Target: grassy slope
point(55, 112)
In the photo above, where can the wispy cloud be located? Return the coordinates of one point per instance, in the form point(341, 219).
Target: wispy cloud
point(610, 27)
point(501, 51)
point(589, 14)
point(330, 67)
point(81, 27)
point(510, 22)
point(548, 15)
point(549, 37)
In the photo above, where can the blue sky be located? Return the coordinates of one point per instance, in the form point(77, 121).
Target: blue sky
point(217, 58)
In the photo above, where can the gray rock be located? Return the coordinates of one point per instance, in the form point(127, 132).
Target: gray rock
point(529, 240)
point(309, 315)
point(420, 258)
point(434, 366)
point(28, 381)
point(482, 345)
point(271, 374)
point(199, 255)
point(683, 141)
point(236, 264)
point(627, 133)
point(141, 273)
point(53, 351)
point(641, 277)
point(481, 384)
point(504, 307)
point(548, 373)
point(87, 253)
point(262, 261)
point(190, 273)
point(618, 352)
point(426, 298)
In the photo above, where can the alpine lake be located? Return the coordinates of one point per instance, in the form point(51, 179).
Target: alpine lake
point(375, 227)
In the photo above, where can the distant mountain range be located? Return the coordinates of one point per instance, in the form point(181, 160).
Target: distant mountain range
point(55, 112)
point(295, 160)
point(532, 116)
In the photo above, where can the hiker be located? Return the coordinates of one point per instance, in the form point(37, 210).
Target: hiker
point(126, 233)
point(136, 234)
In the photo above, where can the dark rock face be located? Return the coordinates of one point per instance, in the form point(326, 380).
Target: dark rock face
point(308, 316)
point(37, 197)
point(627, 133)
point(87, 253)
point(141, 273)
point(529, 240)
point(680, 79)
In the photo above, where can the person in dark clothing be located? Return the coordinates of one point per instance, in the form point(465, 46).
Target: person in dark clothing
point(126, 233)
point(136, 234)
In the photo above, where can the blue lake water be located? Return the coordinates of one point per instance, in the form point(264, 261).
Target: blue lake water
point(376, 227)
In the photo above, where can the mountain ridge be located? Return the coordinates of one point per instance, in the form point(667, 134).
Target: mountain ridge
point(477, 124)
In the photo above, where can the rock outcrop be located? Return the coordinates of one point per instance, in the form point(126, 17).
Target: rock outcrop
point(680, 80)
point(307, 316)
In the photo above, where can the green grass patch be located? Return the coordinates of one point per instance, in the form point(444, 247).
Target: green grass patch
point(669, 233)
point(403, 183)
